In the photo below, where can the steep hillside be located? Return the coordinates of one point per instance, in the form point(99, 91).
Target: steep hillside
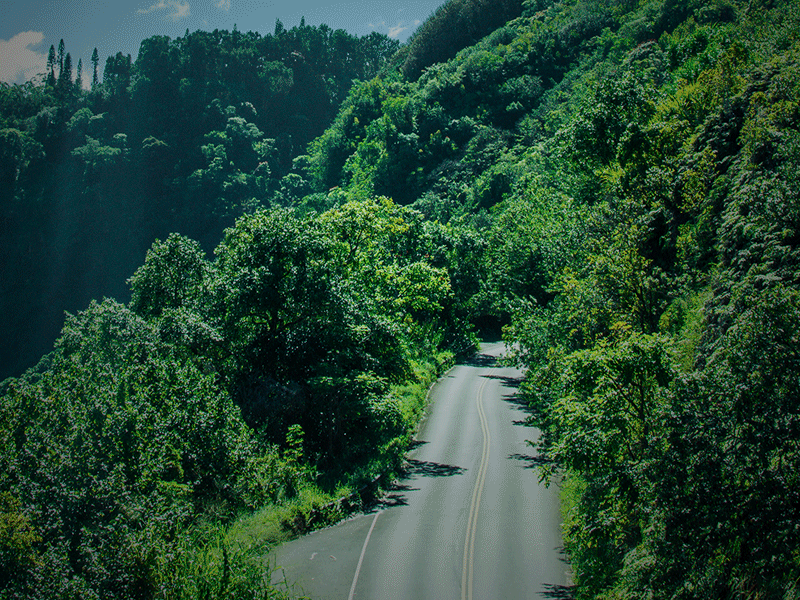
point(615, 182)
point(627, 173)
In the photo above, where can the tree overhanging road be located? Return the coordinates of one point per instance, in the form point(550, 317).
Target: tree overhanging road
point(469, 521)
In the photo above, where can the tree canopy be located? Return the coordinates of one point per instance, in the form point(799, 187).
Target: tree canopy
point(191, 134)
point(610, 185)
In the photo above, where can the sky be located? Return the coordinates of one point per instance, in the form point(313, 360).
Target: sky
point(29, 27)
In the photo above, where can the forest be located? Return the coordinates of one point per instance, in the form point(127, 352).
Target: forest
point(194, 133)
point(259, 297)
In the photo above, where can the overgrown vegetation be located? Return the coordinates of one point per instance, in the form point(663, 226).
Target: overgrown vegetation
point(628, 172)
point(279, 372)
point(615, 182)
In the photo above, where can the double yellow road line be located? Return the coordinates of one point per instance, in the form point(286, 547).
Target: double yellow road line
point(467, 574)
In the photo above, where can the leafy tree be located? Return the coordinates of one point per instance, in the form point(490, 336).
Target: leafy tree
point(533, 239)
point(272, 286)
point(17, 151)
point(174, 274)
point(150, 430)
point(143, 173)
point(455, 25)
point(117, 73)
point(727, 475)
point(304, 341)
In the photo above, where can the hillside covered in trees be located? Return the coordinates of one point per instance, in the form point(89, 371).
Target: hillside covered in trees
point(192, 134)
point(614, 182)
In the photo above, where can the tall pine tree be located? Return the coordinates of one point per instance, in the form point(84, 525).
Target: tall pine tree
point(65, 75)
point(79, 76)
point(51, 65)
point(95, 62)
point(61, 51)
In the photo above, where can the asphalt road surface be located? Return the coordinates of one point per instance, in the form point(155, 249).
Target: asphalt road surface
point(469, 522)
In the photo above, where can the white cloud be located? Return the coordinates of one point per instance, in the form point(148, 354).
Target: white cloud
point(401, 29)
point(20, 62)
point(224, 5)
point(394, 32)
point(179, 9)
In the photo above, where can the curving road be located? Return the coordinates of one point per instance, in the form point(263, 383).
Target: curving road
point(469, 522)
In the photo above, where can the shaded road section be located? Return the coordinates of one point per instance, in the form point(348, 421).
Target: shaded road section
point(469, 521)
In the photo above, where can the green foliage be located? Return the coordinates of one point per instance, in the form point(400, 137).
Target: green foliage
point(151, 427)
point(210, 568)
point(18, 540)
point(733, 428)
point(115, 448)
point(17, 152)
point(662, 331)
point(318, 315)
point(615, 182)
point(190, 135)
point(534, 236)
point(174, 274)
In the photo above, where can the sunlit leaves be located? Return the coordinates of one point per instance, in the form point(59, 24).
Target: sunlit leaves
point(175, 273)
point(733, 457)
point(369, 231)
point(17, 539)
point(688, 265)
point(96, 156)
point(112, 445)
point(613, 396)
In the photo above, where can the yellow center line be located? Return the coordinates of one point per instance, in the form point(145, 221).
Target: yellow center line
point(472, 522)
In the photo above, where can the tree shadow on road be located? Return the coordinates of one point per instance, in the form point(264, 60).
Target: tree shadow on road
point(395, 495)
point(558, 592)
point(533, 462)
point(397, 490)
point(416, 444)
point(521, 405)
point(426, 468)
point(509, 382)
point(480, 360)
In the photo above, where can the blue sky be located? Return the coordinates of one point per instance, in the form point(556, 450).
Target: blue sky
point(29, 27)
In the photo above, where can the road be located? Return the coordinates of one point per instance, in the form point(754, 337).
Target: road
point(469, 522)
